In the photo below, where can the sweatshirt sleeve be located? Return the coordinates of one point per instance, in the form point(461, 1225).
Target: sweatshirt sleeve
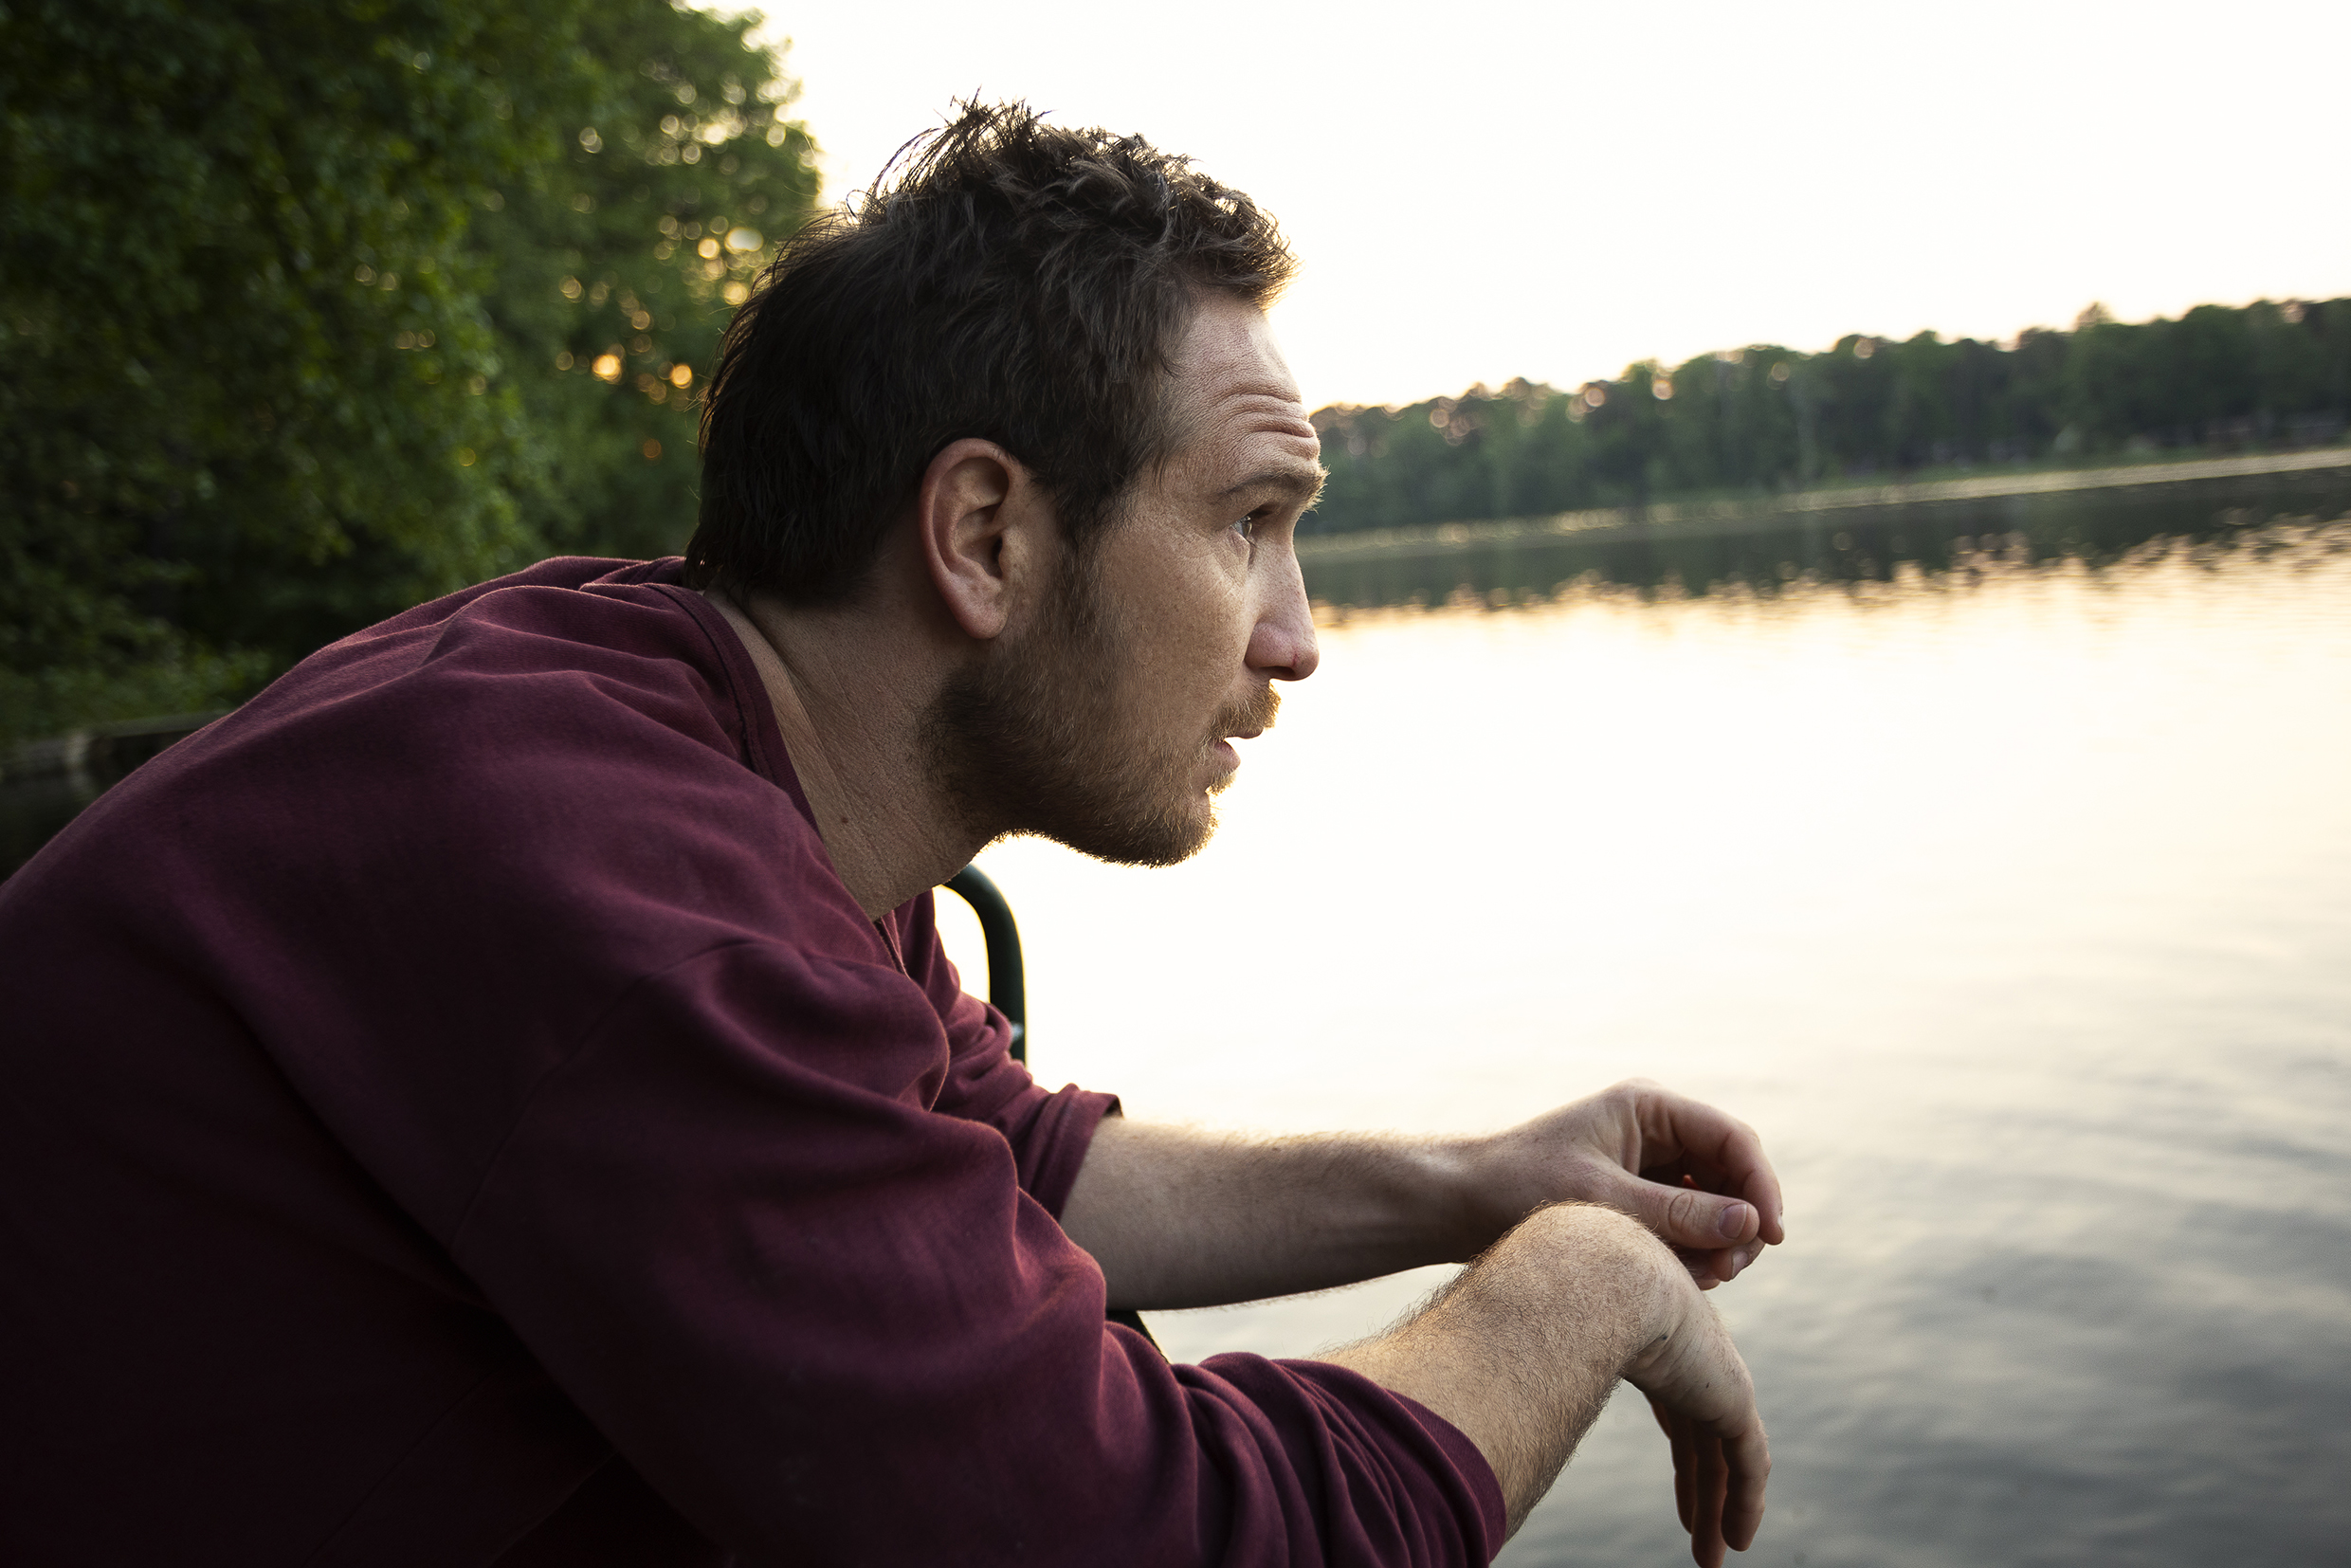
point(830, 1326)
point(1049, 1131)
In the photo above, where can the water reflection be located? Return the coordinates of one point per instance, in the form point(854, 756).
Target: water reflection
point(1855, 546)
point(45, 785)
point(32, 809)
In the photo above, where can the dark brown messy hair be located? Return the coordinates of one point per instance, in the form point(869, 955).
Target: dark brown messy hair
point(1005, 279)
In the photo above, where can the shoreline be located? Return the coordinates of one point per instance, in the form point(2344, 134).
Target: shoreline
point(1602, 523)
point(99, 753)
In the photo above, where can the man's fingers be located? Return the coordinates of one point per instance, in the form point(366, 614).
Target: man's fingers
point(1685, 1474)
point(1717, 1486)
point(1722, 1150)
point(1707, 1269)
point(1719, 1480)
point(1750, 1456)
point(1685, 1216)
point(1677, 1437)
point(1706, 1529)
point(1710, 1268)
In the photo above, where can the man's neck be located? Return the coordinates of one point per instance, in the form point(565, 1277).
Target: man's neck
point(852, 722)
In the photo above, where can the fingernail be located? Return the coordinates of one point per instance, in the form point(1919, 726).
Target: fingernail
point(1734, 1221)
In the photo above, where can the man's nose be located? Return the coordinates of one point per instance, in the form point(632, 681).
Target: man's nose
point(1282, 644)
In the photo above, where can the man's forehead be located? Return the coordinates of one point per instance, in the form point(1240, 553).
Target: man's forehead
point(1228, 347)
point(1234, 383)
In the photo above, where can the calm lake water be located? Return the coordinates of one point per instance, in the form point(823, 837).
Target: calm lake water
point(2008, 894)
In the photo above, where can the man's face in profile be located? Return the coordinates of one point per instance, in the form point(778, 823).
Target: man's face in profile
point(1108, 725)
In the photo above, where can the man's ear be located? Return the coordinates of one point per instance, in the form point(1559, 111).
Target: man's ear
point(983, 525)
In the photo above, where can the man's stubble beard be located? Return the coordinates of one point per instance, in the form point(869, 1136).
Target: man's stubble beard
point(1033, 740)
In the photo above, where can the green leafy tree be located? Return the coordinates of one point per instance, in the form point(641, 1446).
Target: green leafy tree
point(621, 260)
point(283, 313)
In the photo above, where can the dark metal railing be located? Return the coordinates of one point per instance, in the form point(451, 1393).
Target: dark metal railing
point(1008, 987)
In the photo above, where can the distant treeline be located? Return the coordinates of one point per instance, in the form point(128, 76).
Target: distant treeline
point(1765, 418)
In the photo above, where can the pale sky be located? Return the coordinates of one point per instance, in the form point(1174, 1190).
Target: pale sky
point(1556, 190)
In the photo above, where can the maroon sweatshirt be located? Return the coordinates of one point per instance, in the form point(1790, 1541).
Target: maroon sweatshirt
point(451, 1113)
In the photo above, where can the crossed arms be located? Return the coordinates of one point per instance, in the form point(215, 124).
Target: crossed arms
point(1591, 1232)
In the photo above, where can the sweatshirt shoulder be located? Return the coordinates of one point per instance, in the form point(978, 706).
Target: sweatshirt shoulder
point(580, 701)
point(570, 644)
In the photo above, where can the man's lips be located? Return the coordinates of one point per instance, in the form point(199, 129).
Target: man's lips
point(1242, 721)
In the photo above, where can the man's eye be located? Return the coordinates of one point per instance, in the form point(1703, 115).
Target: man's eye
point(1246, 527)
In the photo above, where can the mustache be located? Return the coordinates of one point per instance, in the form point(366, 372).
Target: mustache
point(1253, 713)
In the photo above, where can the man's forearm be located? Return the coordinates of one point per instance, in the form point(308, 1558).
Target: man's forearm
point(1179, 1217)
point(1523, 1350)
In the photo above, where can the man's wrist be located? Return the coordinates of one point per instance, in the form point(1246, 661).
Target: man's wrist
point(1522, 1352)
point(1460, 1184)
point(1487, 1192)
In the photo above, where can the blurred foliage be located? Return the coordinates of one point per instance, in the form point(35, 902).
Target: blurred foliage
point(309, 312)
point(1765, 419)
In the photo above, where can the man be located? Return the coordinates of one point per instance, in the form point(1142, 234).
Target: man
point(499, 1097)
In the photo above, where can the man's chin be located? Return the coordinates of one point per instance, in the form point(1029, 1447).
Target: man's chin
point(1161, 839)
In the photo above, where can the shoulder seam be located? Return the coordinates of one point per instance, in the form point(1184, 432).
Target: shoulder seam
point(746, 722)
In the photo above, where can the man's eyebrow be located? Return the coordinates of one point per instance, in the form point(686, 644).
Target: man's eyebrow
point(1303, 480)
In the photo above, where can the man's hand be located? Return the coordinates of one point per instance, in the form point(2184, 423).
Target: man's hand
point(1522, 1350)
point(1694, 1176)
point(1700, 1392)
